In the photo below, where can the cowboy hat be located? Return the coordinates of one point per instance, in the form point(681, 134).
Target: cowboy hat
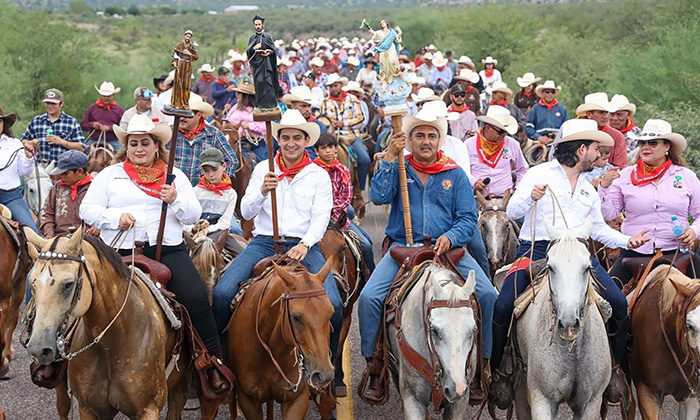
point(316, 61)
point(549, 84)
point(206, 68)
point(489, 60)
point(422, 118)
point(500, 117)
point(8, 119)
point(353, 86)
point(157, 80)
point(424, 94)
point(438, 60)
point(467, 75)
point(300, 94)
point(235, 56)
point(336, 78)
point(465, 60)
point(198, 104)
point(439, 108)
point(292, 54)
point(414, 79)
point(499, 86)
point(285, 62)
point(595, 102)
point(660, 129)
point(623, 104)
point(354, 61)
point(142, 124)
point(583, 129)
point(428, 56)
point(431, 47)
point(292, 118)
point(527, 79)
point(107, 89)
point(245, 87)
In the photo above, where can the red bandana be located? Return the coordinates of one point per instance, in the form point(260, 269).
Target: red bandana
point(464, 108)
point(443, 164)
point(526, 93)
point(208, 79)
point(149, 180)
point(643, 174)
point(441, 68)
point(504, 103)
point(548, 105)
point(335, 165)
point(311, 118)
point(222, 83)
point(340, 98)
point(292, 172)
point(469, 89)
point(237, 72)
point(224, 185)
point(194, 133)
point(488, 73)
point(101, 104)
point(630, 125)
point(74, 187)
point(489, 157)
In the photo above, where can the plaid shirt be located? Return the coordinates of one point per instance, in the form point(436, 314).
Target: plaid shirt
point(187, 152)
point(342, 192)
point(349, 111)
point(65, 127)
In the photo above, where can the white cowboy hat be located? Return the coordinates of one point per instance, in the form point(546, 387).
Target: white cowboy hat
point(292, 118)
point(549, 84)
point(500, 117)
point(499, 86)
point(279, 42)
point(423, 95)
point(595, 102)
point(142, 124)
point(623, 104)
point(353, 86)
point(107, 89)
point(316, 61)
point(335, 51)
point(425, 117)
point(352, 51)
point(354, 61)
point(489, 60)
point(428, 56)
point(336, 78)
point(527, 79)
point(468, 75)
point(206, 68)
point(465, 60)
point(660, 129)
point(438, 60)
point(197, 104)
point(300, 94)
point(583, 129)
point(439, 108)
point(431, 47)
point(414, 79)
point(292, 54)
point(285, 62)
point(295, 45)
point(236, 56)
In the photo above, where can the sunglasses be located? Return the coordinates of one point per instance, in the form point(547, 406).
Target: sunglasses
point(459, 95)
point(146, 94)
point(651, 143)
point(498, 131)
point(548, 91)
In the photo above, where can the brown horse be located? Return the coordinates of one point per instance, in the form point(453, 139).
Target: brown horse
point(120, 340)
point(246, 163)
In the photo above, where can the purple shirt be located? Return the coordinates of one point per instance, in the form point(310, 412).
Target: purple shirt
point(501, 178)
point(96, 113)
point(465, 122)
point(651, 206)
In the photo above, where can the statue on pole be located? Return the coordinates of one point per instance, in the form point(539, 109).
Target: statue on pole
point(263, 61)
point(184, 53)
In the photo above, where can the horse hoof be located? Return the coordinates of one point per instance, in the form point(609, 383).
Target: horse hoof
point(192, 404)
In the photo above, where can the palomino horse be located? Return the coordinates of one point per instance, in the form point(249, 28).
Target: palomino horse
point(207, 258)
point(246, 163)
point(35, 194)
point(499, 231)
point(561, 336)
point(666, 345)
point(100, 155)
point(120, 340)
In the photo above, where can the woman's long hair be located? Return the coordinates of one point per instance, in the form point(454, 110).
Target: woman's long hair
point(245, 102)
point(120, 156)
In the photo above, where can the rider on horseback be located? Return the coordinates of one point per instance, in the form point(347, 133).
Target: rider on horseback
point(574, 154)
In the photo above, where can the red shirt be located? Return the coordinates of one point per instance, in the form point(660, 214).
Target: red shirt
point(342, 189)
point(618, 153)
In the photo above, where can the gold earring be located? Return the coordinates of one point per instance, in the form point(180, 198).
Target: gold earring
point(158, 155)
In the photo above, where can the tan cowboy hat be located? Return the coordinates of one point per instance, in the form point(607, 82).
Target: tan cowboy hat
point(206, 68)
point(353, 86)
point(595, 102)
point(336, 78)
point(107, 89)
point(527, 79)
point(142, 124)
point(316, 61)
point(198, 104)
point(499, 86)
point(583, 129)
point(660, 129)
point(285, 62)
point(623, 104)
point(425, 117)
point(292, 118)
point(245, 87)
point(424, 94)
point(354, 61)
point(490, 60)
point(235, 56)
point(468, 75)
point(300, 94)
point(8, 119)
point(439, 108)
point(500, 117)
point(465, 60)
point(438, 60)
point(549, 84)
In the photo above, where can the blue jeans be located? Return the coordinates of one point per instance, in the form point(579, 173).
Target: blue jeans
point(374, 294)
point(516, 283)
point(366, 244)
point(260, 150)
point(363, 161)
point(241, 269)
point(478, 250)
point(13, 200)
point(235, 227)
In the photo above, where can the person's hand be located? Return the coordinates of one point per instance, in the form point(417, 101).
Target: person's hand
point(544, 140)
point(298, 252)
point(471, 133)
point(608, 177)
point(269, 183)
point(396, 146)
point(257, 46)
point(126, 220)
point(92, 231)
point(199, 225)
point(378, 155)
point(479, 185)
point(230, 88)
point(30, 147)
point(168, 193)
point(53, 139)
point(638, 239)
point(245, 125)
point(688, 237)
point(442, 245)
point(538, 191)
point(96, 125)
point(227, 107)
point(339, 124)
point(104, 127)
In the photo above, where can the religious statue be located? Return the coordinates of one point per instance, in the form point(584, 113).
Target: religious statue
point(263, 62)
point(184, 53)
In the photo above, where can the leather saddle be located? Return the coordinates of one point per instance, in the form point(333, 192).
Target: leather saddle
point(416, 255)
point(637, 265)
point(157, 271)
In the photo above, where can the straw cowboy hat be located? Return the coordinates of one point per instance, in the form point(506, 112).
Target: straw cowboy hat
point(465, 60)
point(8, 119)
point(428, 56)
point(285, 62)
point(549, 84)
point(490, 60)
point(424, 94)
point(300, 94)
point(316, 61)
point(354, 61)
point(336, 78)
point(439, 108)
point(142, 124)
point(500, 117)
point(527, 79)
point(414, 79)
point(292, 118)
point(660, 129)
point(107, 89)
point(583, 129)
point(236, 56)
point(438, 60)
point(198, 104)
point(245, 87)
point(422, 118)
point(623, 104)
point(353, 86)
point(206, 68)
point(595, 102)
point(499, 86)
point(467, 75)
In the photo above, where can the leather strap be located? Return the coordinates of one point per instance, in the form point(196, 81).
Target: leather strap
point(640, 281)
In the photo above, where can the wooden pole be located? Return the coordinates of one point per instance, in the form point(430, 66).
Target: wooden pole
point(396, 123)
point(268, 117)
point(169, 178)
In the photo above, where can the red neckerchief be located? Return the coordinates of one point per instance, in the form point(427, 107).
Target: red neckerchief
point(340, 98)
point(209, 79)
point(311, 118)
point(490, 159)
point(101, 104)
point(504, 103)
point(630, 125)
point(149, 180)
point(526, 93)
point(464, 108)
point(336, 165)
point(441, 68)
point(224, 185)
point(74, 187)
point(443, 164)
point(643, 174)
point(222, 83)
point(194, 133)
point(487, 73)
point(293, 171)
point(548, 105)
point(237, 72)
point(469, 89)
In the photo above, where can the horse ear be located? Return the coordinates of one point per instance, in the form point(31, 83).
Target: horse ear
point(327, 267)
point(34, 238)
point(552, 232)
point(585, 231)
point(470, 284)
point(681, 288)
point(221, 241)
point(480, 200)
point(189, 241)
point(285, 275)
point(506, 197)
point(76, 240)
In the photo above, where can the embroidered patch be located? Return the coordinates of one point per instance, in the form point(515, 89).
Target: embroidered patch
point(446, 184)
point(506, 155)
point(678, 182)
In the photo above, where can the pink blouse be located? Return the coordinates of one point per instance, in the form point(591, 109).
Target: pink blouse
point(501, 176)
point(236, 116)
point(651, 206)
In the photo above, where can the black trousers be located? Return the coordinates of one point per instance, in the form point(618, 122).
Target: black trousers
point(189, 290)
point(618, 270)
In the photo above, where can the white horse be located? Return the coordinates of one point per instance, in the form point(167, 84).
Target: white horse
point(439, 305)
point(32, 194)
point(562, 337)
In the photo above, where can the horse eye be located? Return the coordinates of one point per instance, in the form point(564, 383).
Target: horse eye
point(297, 318)
point(68, 285)
point(691, 328)
point(435, 332)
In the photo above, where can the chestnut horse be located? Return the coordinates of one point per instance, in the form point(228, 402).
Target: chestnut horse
point(120, 339)
point(246, 163)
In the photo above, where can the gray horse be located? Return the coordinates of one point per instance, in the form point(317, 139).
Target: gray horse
point(499, 231)
point(562, 338)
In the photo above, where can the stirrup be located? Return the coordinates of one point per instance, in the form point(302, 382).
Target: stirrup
point(501, 389)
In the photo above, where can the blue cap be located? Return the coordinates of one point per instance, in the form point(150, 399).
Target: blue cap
point(68, 161)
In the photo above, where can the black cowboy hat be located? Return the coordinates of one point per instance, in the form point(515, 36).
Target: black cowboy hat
point(159, 79)
point(9, 119)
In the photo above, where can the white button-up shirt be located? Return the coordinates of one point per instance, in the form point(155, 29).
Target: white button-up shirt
point(112, 193)
point(303, 204)
point(577, 206)
point(18, 164)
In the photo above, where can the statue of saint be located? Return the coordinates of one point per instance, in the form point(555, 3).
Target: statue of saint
point(263, 61)
point(387, 42)
point(184, 53)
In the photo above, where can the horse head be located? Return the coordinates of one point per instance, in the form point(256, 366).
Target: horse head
point(307, 312)
point(687, 299)
point(569, 267)
point(32, 192)
point(207, 257)
point(454, 343)
point(500, 237)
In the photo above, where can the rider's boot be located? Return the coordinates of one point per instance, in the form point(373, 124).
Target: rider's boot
point(618, 389)
point(501, 391)
point(375, 390)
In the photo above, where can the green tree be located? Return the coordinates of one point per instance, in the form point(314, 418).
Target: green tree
point(133, 10)
point(79, 8)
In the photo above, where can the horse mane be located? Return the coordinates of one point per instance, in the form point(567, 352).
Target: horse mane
point(568, 243)
point(444, 277)
point(668, 291)
point(106, 253)
point(207, 253)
